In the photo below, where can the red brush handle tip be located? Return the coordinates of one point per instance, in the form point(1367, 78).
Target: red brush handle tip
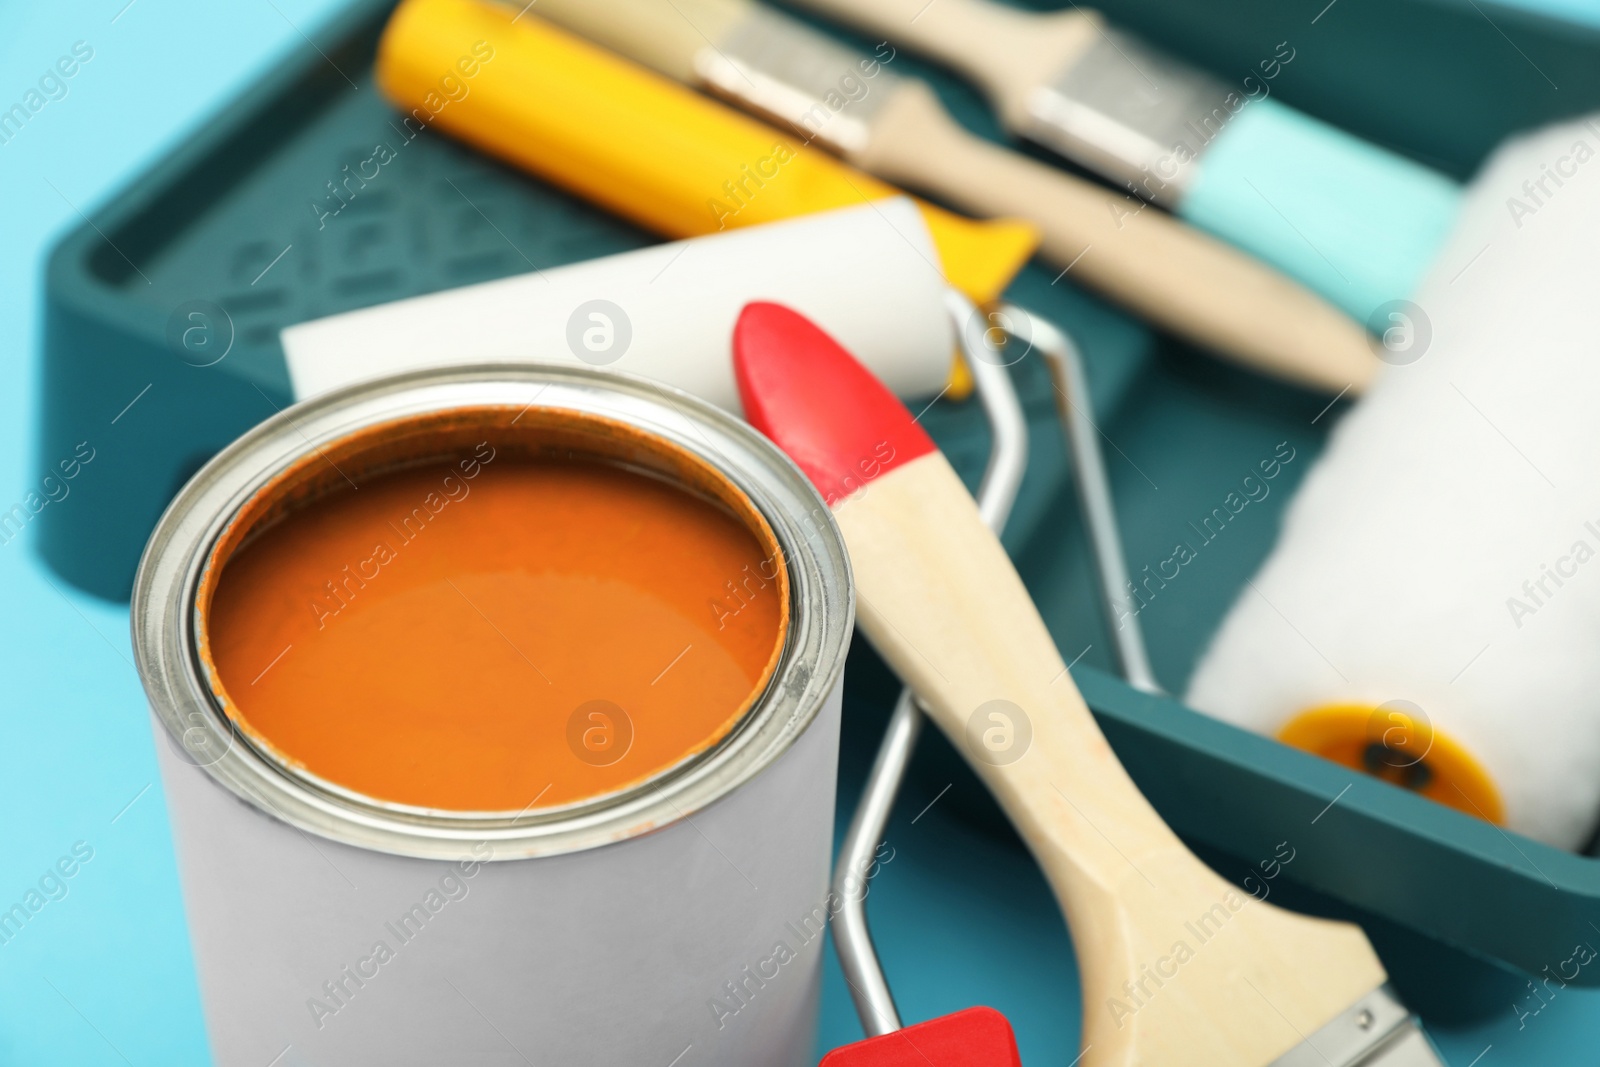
point(818, 403)
point(977, 1037)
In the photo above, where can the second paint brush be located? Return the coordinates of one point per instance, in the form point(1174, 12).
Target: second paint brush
point(1354, 221)
point(894, 127)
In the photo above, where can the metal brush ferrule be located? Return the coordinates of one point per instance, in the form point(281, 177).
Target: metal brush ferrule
point(789, 74)
point(1375, 1031)
point(1134, 115)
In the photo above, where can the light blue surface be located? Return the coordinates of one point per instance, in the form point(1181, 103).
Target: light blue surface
point(1584, 12)
point(1352, 221)
point(103, 976)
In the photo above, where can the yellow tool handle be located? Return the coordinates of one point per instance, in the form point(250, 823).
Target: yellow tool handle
point(637, 143)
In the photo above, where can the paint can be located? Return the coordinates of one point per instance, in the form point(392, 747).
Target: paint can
point(676, 921)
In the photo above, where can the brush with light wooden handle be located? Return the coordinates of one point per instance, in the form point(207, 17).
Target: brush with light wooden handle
point(1177, 967)
point(1354, 221)
point(1178, 278)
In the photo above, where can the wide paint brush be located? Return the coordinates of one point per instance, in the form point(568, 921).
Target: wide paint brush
point(1182, 280)
point(1354, 221)
point(1176, 966)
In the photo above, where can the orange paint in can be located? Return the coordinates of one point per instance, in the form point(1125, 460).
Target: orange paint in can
point(508, 623)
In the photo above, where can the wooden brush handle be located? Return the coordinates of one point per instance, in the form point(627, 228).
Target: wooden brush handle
point(1162, 269)
point(664, 35)
point(1007, 52)
point(940, 600)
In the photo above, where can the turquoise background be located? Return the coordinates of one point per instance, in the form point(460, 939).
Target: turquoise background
point(102, 976)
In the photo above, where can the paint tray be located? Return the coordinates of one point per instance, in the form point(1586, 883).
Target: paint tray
point(222, 237)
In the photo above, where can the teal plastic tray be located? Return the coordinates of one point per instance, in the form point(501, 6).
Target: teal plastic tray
point(1452, 903)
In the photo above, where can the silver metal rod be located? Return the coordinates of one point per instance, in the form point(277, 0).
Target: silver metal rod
point(1094, 492)
point(1008, 426)
point(858, 958)
point(1002, 477)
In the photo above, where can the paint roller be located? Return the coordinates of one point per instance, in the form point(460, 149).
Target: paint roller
point(1430, 611)
point(870, 273)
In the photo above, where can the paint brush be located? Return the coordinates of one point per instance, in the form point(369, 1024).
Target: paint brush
point(1184, 281)
point(1354, 221)
point(1177, 967)
point(980, 1037)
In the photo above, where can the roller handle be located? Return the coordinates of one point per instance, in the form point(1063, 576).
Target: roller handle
point(976, 1037)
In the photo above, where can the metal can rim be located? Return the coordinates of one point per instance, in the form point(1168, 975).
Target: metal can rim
point(822, 609)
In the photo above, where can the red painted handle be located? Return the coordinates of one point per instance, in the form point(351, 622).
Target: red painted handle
point(977, 1037)
point(817, 403)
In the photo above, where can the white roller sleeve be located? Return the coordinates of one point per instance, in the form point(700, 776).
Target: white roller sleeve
point(869, 275)
point(1446, 548)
